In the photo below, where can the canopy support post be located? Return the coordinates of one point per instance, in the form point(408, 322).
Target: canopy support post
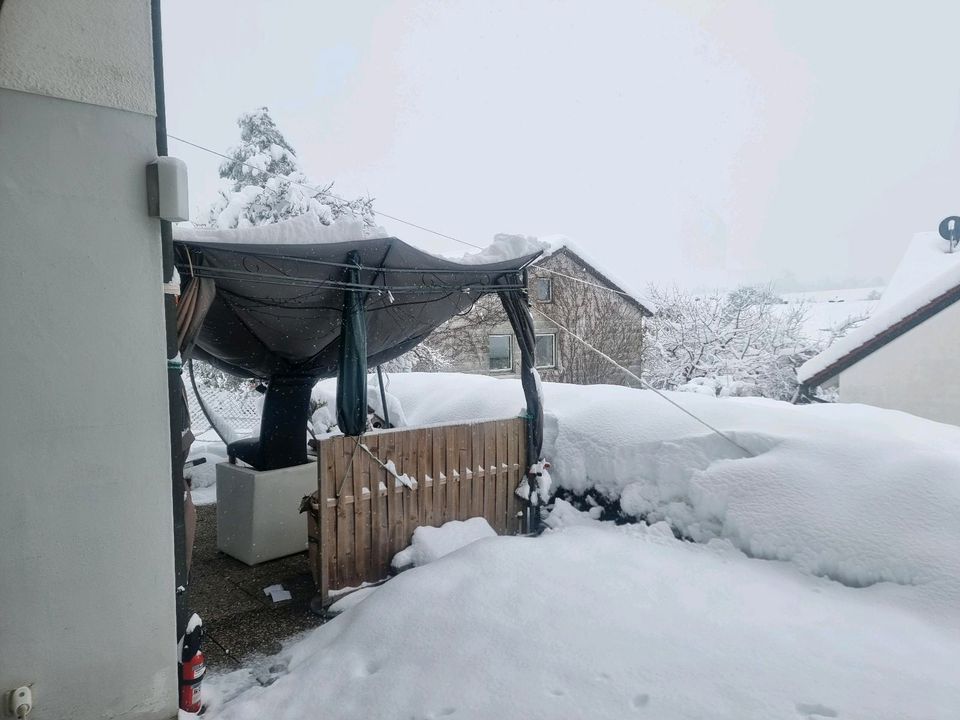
point(352, 365)
point(516, 304)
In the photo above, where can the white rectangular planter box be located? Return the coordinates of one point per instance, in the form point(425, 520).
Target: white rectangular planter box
point(258, 513)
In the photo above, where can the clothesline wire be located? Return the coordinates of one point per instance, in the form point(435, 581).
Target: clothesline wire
point(586, 282)
point(267, 256)
point(229, 274)
point(380, 212)
point(599, 352)
point(319, 190)
point(647, 385)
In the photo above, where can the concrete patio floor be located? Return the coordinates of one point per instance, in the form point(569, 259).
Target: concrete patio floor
point(240, 621)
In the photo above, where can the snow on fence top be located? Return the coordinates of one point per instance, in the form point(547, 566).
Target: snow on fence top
point(928, 271)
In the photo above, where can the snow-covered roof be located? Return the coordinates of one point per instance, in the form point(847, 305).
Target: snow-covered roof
point(557, 243)
point(505, 245)
point(926, 281)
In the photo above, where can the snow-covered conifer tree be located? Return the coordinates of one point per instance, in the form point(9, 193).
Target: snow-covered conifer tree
point(267, 184)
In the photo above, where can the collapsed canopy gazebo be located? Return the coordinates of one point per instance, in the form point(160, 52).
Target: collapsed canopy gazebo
point(298, 301)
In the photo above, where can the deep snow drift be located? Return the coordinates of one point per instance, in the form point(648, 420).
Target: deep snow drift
point(431, 543)
point(861, 619)
point(858, 494)
point(611, 622)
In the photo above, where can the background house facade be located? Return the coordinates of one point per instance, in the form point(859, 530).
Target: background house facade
point(87, 596)
point(565, 290)
point(915, 372)
point(905, 357)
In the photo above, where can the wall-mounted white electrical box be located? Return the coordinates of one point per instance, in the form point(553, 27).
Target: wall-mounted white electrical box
point(167, 196)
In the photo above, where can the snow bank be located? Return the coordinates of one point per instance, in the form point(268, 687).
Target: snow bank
point(351, 599)
point(828, 310)
point(599, 621)
point(203, 478)
point(857, 494)
point(504, 247)
point(307, 229)
point(432, 543)
point(926, 272)
point(324, 396)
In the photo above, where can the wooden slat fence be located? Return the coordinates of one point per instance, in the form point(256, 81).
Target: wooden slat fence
point(378, 488)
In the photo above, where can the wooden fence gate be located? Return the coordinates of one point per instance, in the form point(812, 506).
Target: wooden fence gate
point(375, 490)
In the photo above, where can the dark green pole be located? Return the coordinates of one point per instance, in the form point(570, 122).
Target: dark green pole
point(352, 370)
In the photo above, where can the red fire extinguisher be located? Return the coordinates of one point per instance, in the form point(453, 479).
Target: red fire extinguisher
point(192, 667)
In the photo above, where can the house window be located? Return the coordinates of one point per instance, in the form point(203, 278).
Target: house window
point(545, 352)
point(543, 289)
point(501, 353)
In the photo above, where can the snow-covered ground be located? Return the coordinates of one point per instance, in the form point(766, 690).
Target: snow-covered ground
point(830, 309)
point(203, 478)
point(823, 580)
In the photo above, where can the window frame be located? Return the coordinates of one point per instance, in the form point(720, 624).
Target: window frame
point(509, 368)
point(536, 362)
point(536, 289)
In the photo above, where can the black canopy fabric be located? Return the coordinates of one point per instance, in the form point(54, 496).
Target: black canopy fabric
point(278, 308)
point(294, 313)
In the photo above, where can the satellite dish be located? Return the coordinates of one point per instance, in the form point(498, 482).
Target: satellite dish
point(950, 230)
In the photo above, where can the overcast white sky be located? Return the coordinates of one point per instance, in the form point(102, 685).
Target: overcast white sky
point(688, 141)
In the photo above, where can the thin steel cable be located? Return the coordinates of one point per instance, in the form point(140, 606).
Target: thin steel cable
point(391, 217)
point(230, 274)
point(647, 385)
point(320, 190)
point(586, 282)
point(265, 256)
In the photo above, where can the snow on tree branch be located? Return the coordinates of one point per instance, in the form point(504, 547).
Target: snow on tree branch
point(745, 342)
point(268, 185)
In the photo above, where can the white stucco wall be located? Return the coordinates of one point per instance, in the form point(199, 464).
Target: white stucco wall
point(92, 51)
point(916, 373)
point(86, 549)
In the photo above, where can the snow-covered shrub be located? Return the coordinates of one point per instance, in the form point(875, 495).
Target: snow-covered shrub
point(742, 343)
point(425, 357)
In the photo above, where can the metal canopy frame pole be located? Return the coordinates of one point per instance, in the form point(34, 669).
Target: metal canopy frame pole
point(383, 398)
point(174, 369)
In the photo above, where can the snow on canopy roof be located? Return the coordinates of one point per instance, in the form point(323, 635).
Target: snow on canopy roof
point(521, 245)
point(280, 293)
point(306, 229)
point(926, 281)
point(303, 229)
